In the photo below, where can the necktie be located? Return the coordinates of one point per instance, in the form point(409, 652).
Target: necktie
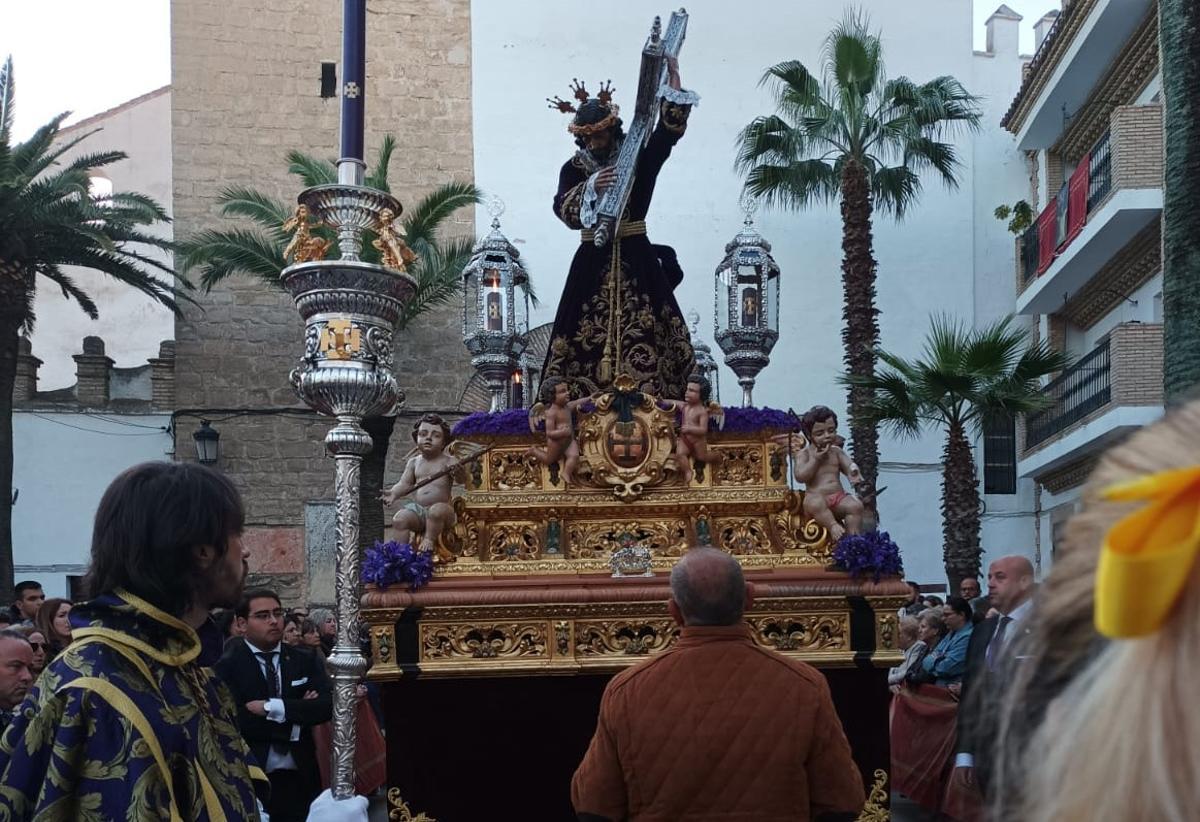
point(268, 658)
point(996, 646)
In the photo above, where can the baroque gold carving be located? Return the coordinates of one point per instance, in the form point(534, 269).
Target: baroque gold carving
point(514, 541)
point(796, 531)
point(744, 535)
point(739, 465)
point(876, 808)
point(819, 632)
point(562, 637)
point(624, 637)
point(514, 471)
point(384, 639)
point(887, 631)
point(595, 540)
point(626, 455)
point(488, 641)
point(462, 539)
point(398, 810)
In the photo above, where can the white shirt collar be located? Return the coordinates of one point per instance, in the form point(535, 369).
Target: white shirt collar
point(254, 649)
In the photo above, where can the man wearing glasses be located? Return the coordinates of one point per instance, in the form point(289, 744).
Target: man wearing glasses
point(281, 692)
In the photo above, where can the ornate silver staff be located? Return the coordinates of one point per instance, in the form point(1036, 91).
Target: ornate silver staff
point(350, 310)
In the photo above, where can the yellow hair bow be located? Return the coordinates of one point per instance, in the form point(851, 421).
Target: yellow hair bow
point(1148, 555)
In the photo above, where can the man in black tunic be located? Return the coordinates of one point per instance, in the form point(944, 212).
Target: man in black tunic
point(605, 328)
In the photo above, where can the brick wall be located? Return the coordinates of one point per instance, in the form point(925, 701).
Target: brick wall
point(245, 90)
point(1137, 363)
point(1054, 175)
point(1125, 272)
point(1137, 146)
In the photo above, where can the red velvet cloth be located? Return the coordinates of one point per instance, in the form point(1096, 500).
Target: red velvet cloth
point(370, 752)
point(923, 737)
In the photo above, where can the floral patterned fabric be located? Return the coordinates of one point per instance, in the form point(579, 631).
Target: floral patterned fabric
point(127, 697)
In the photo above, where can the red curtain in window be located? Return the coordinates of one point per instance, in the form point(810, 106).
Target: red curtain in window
point(1077, 198)
point(1047, 226)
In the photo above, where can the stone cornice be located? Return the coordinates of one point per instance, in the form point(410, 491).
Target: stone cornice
point(1045, 60)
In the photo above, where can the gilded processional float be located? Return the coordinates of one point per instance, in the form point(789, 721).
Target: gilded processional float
point(551, 566)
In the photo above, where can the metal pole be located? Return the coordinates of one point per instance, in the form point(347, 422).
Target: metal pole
point(351, 166)
point(346, 442)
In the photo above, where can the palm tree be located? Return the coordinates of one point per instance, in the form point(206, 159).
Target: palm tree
point(964, 380)
point(257, 251)
point(49, 220)
point(1178, 21)
point(859, 138)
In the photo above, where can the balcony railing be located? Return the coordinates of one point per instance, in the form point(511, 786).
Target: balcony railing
point(1083, 388)
point(1099, 181)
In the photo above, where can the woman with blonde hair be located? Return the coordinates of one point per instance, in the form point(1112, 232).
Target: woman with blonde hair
point(1098, 721)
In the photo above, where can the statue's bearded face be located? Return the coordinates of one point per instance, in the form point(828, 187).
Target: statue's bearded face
point(600, 144)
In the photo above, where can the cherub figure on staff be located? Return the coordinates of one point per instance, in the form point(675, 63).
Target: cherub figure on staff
point(428, 479)
point(818, 461)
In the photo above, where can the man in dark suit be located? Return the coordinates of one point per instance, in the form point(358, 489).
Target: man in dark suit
point(1010, 591)
point(281, 693)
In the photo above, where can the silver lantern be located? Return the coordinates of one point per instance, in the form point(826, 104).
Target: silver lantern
point(706, 366)
point(746, 321)
point(495, 309)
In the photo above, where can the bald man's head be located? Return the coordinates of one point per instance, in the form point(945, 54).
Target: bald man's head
point(1010, 583)
point(708, 588)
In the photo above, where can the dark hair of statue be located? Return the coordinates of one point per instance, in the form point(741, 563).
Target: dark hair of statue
point(593, 111)
point(433, 419)
point(148, 525)
point(814, 415)
point(705, 386)
point(548, 387)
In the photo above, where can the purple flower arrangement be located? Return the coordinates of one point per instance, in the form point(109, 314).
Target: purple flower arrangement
point(511, 423)
point(740, 420)
point(873, 553)
point(515, 421)
point(394, 563)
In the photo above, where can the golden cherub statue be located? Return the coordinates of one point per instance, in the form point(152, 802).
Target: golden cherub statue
point(394, 253)
point(304, 247)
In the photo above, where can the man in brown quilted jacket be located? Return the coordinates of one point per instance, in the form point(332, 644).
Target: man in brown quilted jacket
point(716, 728)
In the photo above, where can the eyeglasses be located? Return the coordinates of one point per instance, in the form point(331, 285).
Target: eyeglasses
point(265, 615)
point(39, 646)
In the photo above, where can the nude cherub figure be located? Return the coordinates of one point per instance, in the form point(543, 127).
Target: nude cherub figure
point(560, 430)
point(303, 247)
point(819, 461)
point(692, 442)
point(428, 512)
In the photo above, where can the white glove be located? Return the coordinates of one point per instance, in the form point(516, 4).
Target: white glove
point(327, 809)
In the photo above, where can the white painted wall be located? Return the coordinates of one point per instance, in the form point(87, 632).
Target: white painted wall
point(932, 263)
point(62, 462)
point(130, 324)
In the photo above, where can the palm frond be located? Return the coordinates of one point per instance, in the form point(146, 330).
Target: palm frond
point(240, 201)
point(378, 177)
point(310, 170)
point(71, 291)
point(424, 220)
point(853, 58)
point(7, 98)
point(223, 253)
point(894, 189)
point(797, 185)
